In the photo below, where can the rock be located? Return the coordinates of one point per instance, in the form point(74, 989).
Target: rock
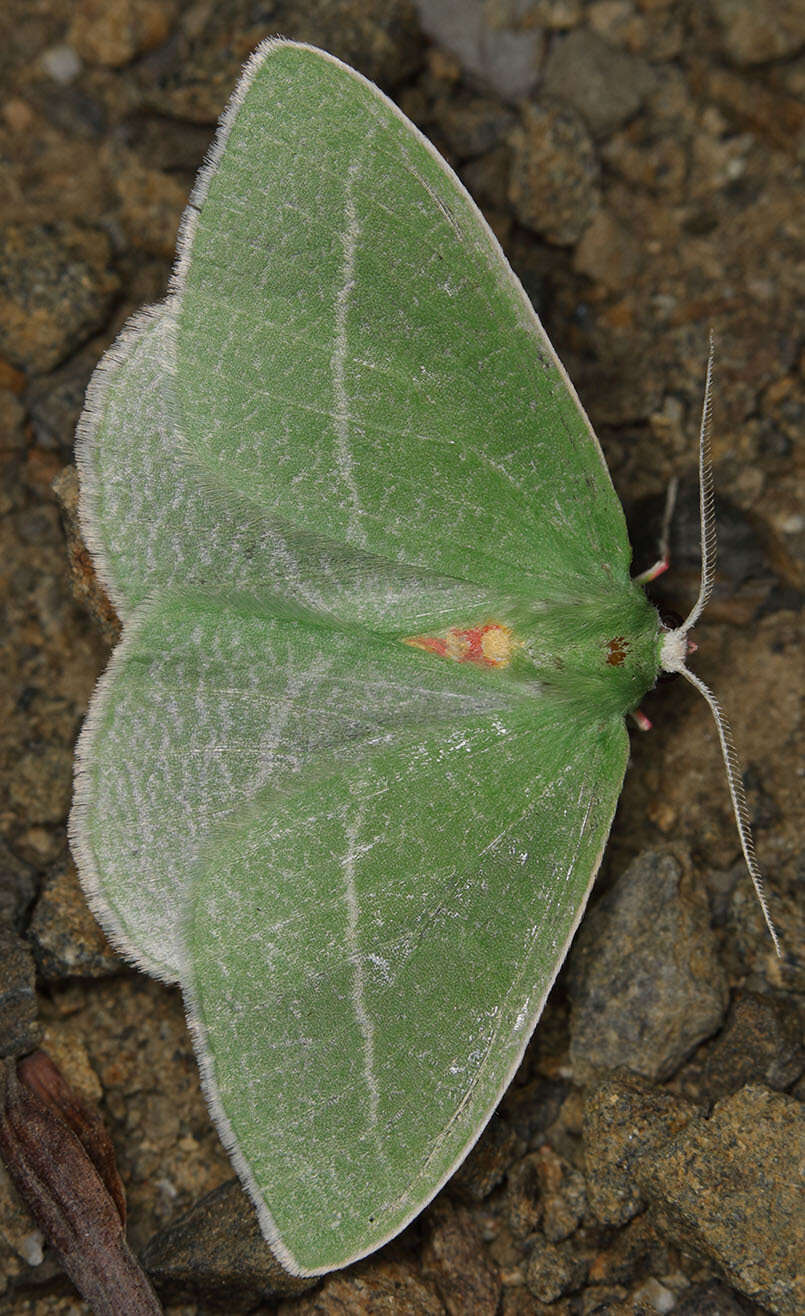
point(151, 202)
point(502, 56)
point(522, 1195)
point(17, 887)
point(381, 39)
point(636, 1249)
point(656, 31)
point(19, 1027)
point(12, 422)
point(487, 1163)
point(554, 181)
point(562, 1194)
point(756, 31)
point(726, 1187)
point(66, 939)
point(607, 252)
point(760, 1043)
point(711, 1299)
point(61, 63)
point(55, 401)
point(377, 1288)
point(455, 1259)
point(644, 979)
point(604, 85)
point(553, 1270)
point(216, 1252)
point(41, 786)
point(474, 125)
point(487, 178)
point(114, 32)
point(56, 289)
point(624, 1119)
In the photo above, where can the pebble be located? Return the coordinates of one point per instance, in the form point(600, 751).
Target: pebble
point(553, 1270)
point(624, 1118)
point(114, 32)
point(19, 1026)
point(66, 939)
point(455, 1260)
point(604, 85)
point(727, 1187)
point(216, 1251)
point(56, 288)
point(759, 1043)
point(474, 125)
point(644, 979)
point(562, 1194)
point(504, 57)
point(379, 1288)
point(554, 180)
point(488, 1161)
point(62, 64)
point(757, 31)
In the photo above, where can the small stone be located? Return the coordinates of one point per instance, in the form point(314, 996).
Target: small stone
point(19, 1027)
point(554, 182)
point(56, 400)
point(12, 422)
point(624, 1119)
point(522, 1195)
point(455, 1259)
point(556, 15)
point(151, 203)
point(216, 1251)
point(17, 1228)
point(644, 978)
point(643, 160)
point(553, 1270)
point(605, 85)
point(652, 1296)
point(62, 64)
point(474, 125)
point(114, 32)
point(607, 253)
point(17, 887)
point(487, 1163)
point(383, 40)
point(505, 58)
point(56, 289)
point(634, 1249)
point(562, 1194)
point(41, 786)
point(66, 939)
point(726, 1186)
point(760, 1043)
point(711, 1299)
point(487, 178)
point(756, 31)
point(377, 1288)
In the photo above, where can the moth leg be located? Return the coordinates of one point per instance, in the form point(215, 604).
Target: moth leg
point(664, 559)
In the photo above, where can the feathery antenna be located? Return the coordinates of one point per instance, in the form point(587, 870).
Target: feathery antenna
point(707, 511)
point(675, 648)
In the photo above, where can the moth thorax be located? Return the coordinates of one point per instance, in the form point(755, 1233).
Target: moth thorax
point(674, 650)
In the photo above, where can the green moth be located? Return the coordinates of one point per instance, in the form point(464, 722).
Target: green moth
point(352, 767)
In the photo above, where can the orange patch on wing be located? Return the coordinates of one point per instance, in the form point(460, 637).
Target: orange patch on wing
point(491, 645)
point(616, 650)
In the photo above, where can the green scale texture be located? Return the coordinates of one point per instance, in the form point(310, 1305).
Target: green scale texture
point(363, 862)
